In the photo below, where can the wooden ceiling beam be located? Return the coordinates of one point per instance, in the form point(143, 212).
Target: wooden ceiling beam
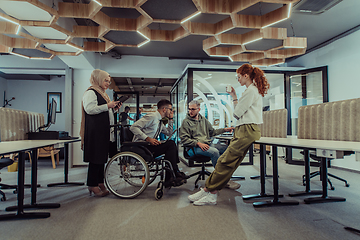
point(285, 53)
point(93, 9)
point(102, 19)
point(8, 28)
point(199, 28)
point(236, 50)
point(224, 25)
point(274, 33)
point(94, 46)
point(118, 3)
point(247, 57)
point(73, 10)
point(122, 24)
point(85, 31)
point(180, 33)
point(210, 42)
point(275, 16)
point(247, 21)
point(4, 49)
point(295, 42)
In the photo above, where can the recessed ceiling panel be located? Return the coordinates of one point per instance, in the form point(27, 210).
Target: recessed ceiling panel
point(32, 53)
point(260, 9)
point(61, 48)
point(24, 11)
point(169, 9)
point(45, 33)
point(121, 37)
point(209, 18)
point(163, 26)
point(239, 30)
point(121, 12)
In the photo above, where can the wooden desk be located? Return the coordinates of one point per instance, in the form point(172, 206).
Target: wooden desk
point(20, 147)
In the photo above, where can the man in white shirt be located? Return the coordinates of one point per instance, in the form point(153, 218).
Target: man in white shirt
point(148, 129)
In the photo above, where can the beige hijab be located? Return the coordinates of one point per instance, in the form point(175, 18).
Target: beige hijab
point(96, 79)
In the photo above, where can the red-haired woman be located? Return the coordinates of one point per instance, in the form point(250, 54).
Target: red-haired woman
point(248, 113)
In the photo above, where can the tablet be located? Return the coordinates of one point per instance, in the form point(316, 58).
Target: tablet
point(123, 98)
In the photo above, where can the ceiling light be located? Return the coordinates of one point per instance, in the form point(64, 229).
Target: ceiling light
point(219, 56)
point(143, 43)
point(231, 59)
point(18, 30)
point(252, 41)
point(190, 17)
point(143, 35)
point(97, 2)
point(75, 47)
point(9, 20)
point(20, 55)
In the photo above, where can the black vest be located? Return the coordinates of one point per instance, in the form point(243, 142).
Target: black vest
point(97, 135)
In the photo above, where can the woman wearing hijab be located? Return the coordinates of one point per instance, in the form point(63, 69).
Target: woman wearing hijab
point(97, 116)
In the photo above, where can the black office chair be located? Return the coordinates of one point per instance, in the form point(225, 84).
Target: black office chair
point(199, 159)
point(317, 173)
point(4, 162)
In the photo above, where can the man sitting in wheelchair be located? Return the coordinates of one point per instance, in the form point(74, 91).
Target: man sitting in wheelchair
point(148, 129)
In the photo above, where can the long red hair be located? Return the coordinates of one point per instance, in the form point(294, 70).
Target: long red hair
point(257, 75)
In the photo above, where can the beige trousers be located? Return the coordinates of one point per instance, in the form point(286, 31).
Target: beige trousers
point(229, 161)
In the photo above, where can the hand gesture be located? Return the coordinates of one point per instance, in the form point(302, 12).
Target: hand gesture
point(203, 146)
point(232, 92)
point(152, 141)
point(113, 104)
point(229, 129)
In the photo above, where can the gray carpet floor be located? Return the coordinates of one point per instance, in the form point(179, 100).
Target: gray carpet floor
point(173, 217)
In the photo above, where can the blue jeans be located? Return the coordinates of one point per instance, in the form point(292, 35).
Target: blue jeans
point(214, 152)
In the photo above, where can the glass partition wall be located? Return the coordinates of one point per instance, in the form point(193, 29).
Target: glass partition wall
point(288, 89)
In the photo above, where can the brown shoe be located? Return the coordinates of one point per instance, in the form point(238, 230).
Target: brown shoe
point(97, 192)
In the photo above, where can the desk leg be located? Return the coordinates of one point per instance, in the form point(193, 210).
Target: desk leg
point(20, 196)
point(307, 178)
point(275, 201)
point(256, 177)
point(34, 188)
point(262, 176)
point(66, 171)
point(324, 179)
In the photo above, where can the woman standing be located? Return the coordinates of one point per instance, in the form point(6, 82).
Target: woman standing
point(248, 113)
point(97, 116)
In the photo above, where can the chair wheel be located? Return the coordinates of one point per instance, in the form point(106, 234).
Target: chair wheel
point(347, 185)
point(15, 191)
point(158, 193)
point(3, 199)
point(332, 188)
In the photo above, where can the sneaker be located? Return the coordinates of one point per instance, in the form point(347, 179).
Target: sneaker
point(209, 199)
point(232, 185)
point(196, 196)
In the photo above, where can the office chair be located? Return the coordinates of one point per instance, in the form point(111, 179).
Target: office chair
point(4, 162)
point(316, 173)
point(199, 159)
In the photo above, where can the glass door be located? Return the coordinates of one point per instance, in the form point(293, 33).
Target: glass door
point(306, 87)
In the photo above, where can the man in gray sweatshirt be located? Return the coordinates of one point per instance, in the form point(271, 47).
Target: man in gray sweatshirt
point(196, 133)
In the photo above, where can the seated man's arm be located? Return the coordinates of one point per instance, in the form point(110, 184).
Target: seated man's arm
point(138, 129)
point(186, 138)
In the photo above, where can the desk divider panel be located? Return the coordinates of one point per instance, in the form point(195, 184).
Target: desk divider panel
point(15, 124)
point(337, 121)
point(275, 124)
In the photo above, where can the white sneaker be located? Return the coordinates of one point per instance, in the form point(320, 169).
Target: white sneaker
point(196, 196)
point(209, 199)
point(233, 185)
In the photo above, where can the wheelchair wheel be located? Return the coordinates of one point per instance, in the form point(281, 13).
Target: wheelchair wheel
point(127, 175)
point(158, 193)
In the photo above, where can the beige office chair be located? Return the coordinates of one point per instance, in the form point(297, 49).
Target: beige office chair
point(50, 152)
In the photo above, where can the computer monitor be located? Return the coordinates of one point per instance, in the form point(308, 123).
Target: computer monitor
point(51, 114)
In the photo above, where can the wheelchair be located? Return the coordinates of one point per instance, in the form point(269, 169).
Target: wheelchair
point(129, 172)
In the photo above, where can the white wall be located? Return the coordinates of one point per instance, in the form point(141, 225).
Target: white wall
point(342, 58)
point(32, 96)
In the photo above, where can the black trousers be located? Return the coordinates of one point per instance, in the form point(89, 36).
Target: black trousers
point(95, 174)
point(170, 150)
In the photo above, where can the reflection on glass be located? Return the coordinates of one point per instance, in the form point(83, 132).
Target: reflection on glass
point(305, 90)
